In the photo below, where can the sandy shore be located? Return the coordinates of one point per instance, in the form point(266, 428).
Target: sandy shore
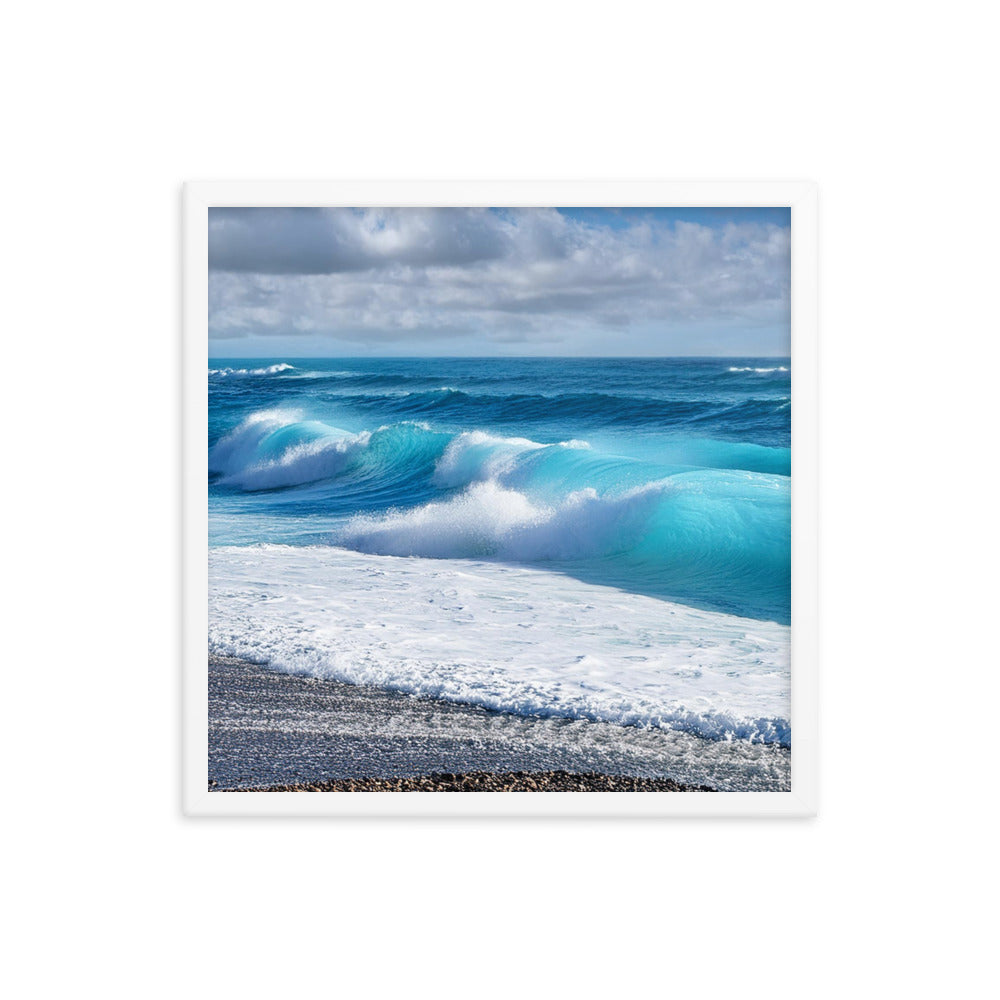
point(270, 730)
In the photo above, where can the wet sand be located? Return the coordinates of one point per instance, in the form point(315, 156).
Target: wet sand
point(276, 731)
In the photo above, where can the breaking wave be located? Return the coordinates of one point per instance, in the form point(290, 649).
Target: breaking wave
point(269, 370)
point(709, 534)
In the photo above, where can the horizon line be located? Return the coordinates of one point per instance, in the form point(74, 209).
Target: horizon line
point(495, 357)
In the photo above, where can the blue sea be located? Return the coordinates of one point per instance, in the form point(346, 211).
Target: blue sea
point(443, 525)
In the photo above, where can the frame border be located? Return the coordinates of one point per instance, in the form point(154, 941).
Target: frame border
point(801, 197)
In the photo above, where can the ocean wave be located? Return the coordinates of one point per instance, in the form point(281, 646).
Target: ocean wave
point(761, 371)
point(269, 370)
point(592, 409)
point(489, 521)
point(307, 374)
point(259, 443)
point(274, 449)
point(715, 536)
point(711, 538)
point(353, 380)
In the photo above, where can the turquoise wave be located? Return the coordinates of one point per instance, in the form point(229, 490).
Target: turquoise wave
point(700, 521)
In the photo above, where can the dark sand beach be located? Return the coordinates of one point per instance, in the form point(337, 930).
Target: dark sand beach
point(275, 731)
point(488, 781)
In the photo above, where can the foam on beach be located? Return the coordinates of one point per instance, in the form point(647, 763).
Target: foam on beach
point(516, 639)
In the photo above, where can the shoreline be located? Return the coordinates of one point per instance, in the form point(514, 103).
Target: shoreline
point(274, 731)
point(526, 640)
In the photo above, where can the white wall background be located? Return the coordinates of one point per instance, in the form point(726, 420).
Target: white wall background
point(890, 107)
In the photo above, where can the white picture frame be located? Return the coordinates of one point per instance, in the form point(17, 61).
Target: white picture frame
point(801, 197)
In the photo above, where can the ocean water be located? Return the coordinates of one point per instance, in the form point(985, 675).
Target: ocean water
point(594, 538)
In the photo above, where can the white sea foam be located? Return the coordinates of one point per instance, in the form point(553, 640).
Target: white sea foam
point(761, 371)
point(508, 638)
point(269, 370)
point(490, 521)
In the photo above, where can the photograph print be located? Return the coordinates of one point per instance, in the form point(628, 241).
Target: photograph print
point(499, 499)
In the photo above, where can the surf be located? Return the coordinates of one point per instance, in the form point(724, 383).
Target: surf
point(511, 639)
point(714, 536)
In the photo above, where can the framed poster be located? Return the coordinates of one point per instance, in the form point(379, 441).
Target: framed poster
point(506, 489)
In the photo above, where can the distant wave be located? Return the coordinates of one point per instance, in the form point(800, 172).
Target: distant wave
point(600, 409)
point(269, 370)
point(761, 371)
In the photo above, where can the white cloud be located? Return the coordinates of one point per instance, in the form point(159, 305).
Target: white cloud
point(374, 277)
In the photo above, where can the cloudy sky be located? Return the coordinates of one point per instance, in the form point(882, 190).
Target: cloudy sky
point(299, 282)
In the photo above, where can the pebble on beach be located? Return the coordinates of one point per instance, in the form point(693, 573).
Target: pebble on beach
point(488, 781)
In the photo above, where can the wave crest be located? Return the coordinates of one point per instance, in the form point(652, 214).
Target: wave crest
point(273, 449)
point(489, 521)
point(269, 370)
